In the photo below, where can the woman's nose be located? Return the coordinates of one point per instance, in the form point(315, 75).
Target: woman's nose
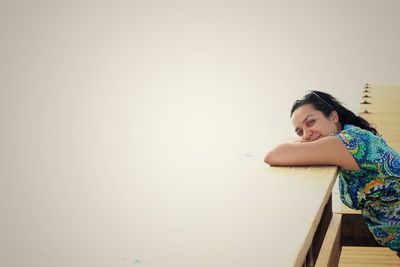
point(307, 135)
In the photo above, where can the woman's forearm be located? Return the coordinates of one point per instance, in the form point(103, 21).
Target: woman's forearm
point(281, 154)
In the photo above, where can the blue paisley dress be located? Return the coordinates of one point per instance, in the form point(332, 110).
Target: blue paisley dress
point(375, 188)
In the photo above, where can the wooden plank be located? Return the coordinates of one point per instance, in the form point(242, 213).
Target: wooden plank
point(246, 216)
point(368, 257)
point(307, 213)
point(384, 112)
point(331, 247)
point(319, 235)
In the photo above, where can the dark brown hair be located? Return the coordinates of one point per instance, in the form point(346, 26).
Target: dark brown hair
point(326, 103)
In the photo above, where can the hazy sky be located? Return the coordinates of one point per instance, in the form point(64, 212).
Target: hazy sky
point(234, 53)
point(168, 75)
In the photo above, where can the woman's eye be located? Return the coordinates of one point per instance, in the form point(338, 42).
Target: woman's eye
point(310, 123)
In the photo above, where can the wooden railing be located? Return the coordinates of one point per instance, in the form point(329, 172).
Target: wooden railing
point(304, 209)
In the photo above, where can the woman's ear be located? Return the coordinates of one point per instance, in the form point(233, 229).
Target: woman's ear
point(334, 117)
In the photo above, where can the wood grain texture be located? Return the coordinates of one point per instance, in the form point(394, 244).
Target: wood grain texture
point(385, 113)
point(309, 207)
point(331, 247)
point(368, 257)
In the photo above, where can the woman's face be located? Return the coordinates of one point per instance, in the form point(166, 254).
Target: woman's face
point(311, 124)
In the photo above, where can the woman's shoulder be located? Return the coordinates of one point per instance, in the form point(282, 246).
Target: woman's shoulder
point(362, 140)
point(351, 134)
point(352, 129)
point(361, 143)
point(370, 151)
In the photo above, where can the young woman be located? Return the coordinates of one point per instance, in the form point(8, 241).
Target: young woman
point(369, 176)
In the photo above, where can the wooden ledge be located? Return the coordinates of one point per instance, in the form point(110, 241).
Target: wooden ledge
point(331, 247)
point(368, 256)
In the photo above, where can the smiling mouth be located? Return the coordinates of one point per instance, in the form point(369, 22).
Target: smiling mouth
point(318, 137)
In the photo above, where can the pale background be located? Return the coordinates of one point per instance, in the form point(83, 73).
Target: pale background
point(104, 103)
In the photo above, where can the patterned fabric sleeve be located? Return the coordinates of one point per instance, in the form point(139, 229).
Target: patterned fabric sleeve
point(375, 188)
point(370, 151)
point(357, 143)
